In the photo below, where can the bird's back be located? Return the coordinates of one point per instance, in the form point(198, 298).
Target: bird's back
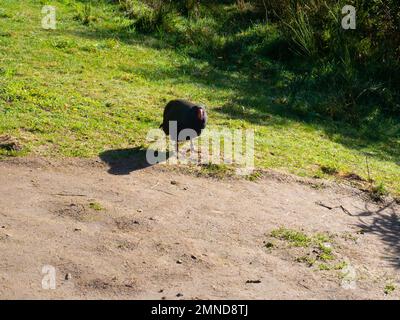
point(176, 109)
point(179, 111)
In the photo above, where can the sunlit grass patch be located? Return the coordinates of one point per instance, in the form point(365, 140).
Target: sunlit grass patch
point(96, 206)
point(83, 89)
point(293, 237)
point(311, 249)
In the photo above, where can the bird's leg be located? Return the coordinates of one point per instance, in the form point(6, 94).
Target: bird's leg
point(192, 152)
point(191, 146)
point(199, 154)
point(177, 149)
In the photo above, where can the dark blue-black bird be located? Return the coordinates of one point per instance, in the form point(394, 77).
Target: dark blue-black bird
point(186, 115)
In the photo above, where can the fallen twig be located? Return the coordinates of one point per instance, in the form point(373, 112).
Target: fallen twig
point(323, 205)
point(346, 211)
point(331, 208)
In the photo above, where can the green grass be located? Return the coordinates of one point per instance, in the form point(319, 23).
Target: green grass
point(324, 267)
point(309, 261)
point(216, 170)
point(96, 206)
point(389, 288)
point(378, 192)
point(295, 238)
point(321, 245)
point(95, 84)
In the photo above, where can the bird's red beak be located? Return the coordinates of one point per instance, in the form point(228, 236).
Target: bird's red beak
point(200, 114)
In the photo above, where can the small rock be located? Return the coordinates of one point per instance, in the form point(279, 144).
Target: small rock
point(161, 291)
point(139, 210)
point(193, 257)
point(136, 222)
point(77, 229)
point(68, 276)
point(173, 182)
point(327, 245)
point(163, 298)
point(269, 245)
point(179, 295)
point(185, 188)
point(179, 262)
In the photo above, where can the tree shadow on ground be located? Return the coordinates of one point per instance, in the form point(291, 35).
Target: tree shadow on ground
point(386, 225)
point(125, 161)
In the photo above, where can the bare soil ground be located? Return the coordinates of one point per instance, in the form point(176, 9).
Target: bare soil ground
point(156, 233)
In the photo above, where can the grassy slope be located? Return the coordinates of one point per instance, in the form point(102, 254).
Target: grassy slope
point(80, 90)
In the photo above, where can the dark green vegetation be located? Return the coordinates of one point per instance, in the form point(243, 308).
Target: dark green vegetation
point(319, 98)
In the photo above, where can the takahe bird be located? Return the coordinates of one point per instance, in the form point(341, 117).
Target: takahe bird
point(187, 116)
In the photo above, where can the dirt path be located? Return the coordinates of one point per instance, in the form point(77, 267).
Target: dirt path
point(140, 236)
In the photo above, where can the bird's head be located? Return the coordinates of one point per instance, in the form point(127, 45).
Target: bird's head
point(201, 115)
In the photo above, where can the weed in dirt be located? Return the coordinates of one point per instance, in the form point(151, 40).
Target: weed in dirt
point(349, 237)
point(317, 186)
point(329, 170)
point(325, 252)
point(378, 192)
point(217, 170)
point(341, 265)
point(309, 261)
point(389, 288)
point(324, 267)
point(320, 245)
point(256, 175)
point(96, 206)
point(295, 238)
